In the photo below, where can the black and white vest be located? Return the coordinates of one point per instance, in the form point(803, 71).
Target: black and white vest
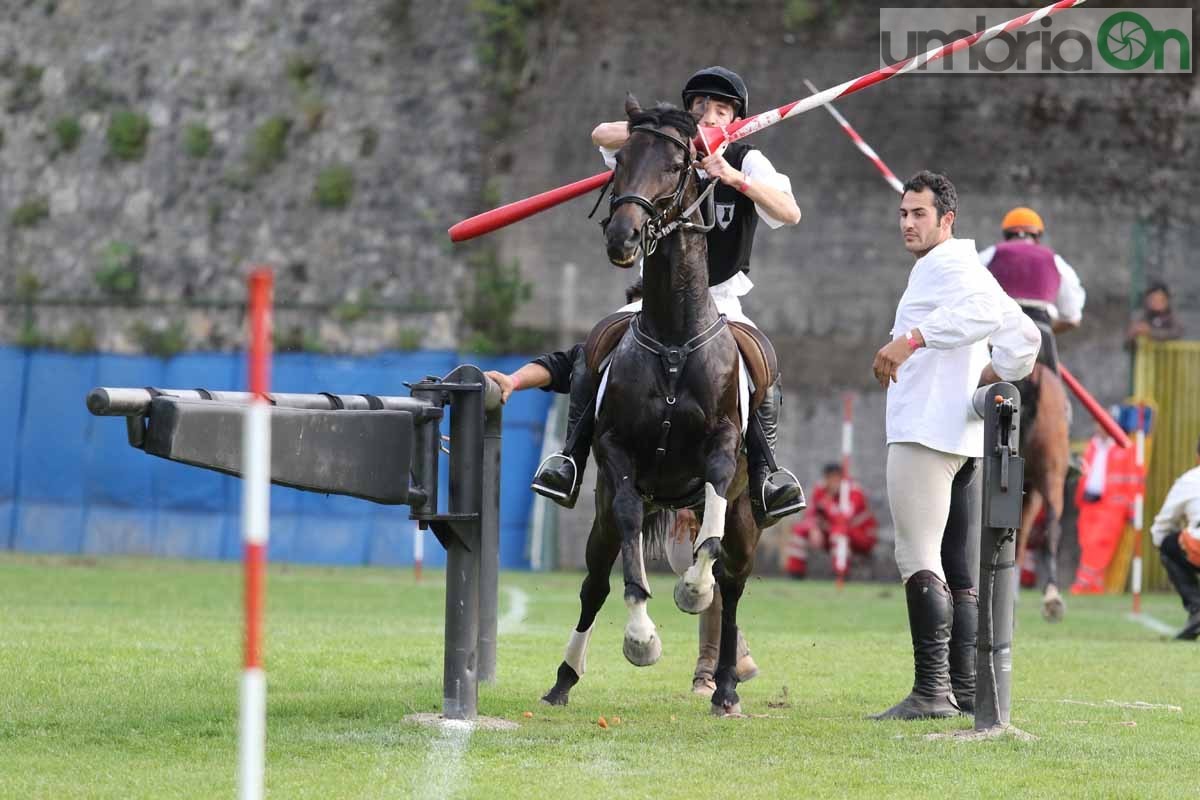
point(731, 239)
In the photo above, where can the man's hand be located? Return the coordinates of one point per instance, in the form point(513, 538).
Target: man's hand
point(888, 360)
point(989, 376)
point(717, 167)
point(504, 381)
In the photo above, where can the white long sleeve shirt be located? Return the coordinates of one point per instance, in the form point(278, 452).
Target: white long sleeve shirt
point(958, 308)
point(1068, 306)
point(1181, 509)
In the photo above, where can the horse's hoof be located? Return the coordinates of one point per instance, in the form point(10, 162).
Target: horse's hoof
point(726, 709)
point(642, 654)
point(692, 599)
point(1053, 607)
point(554, 698)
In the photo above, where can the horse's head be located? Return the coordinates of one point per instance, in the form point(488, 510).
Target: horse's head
point(650, 177)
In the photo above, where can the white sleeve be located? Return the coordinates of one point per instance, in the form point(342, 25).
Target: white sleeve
point(985, 256)
point(1015, 344)
point(1071, 294)
point(1171, 517)
point(969, 309)
point(609, 155)
point(758, 169)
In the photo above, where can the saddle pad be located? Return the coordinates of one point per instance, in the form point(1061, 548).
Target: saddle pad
point(758, 358)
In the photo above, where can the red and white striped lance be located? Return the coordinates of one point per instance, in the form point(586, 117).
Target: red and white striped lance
point(862, 146)
point(710, 140)
point(256, 520)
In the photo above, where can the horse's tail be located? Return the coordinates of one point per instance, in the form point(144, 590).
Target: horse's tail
point(657, 527)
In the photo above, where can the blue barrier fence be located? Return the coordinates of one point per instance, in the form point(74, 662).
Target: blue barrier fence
point(70, 482)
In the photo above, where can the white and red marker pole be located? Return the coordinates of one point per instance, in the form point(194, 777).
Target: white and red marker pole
point(862, 146)
point(710, 140)
point(841, 539)
point(1139, 508)
point(256, 517)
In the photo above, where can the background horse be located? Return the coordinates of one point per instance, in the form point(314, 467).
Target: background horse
point(668, 432)
point(1046, 446)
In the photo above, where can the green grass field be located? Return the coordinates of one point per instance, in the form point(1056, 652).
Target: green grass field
point(120, 681)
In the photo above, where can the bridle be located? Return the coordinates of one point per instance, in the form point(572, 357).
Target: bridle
point(665, 220)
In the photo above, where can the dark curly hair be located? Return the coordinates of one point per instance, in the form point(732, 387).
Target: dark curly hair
point(665, 115)
point(945, 196)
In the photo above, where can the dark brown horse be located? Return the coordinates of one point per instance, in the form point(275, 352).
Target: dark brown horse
point(668, 432)
point(1046, 446)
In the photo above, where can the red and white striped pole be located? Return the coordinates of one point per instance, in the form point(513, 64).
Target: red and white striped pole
point(256, 516)
point(841, 539)
point(712, 139)
point(862, 146)
point(1139, 504)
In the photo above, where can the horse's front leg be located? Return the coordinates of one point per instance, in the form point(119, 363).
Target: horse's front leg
point(602, 547)
point(694, 590)
point(642, 647)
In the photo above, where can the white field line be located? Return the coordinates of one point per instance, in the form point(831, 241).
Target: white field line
point(441, 776)
point(1156, 625)
point(514, 615)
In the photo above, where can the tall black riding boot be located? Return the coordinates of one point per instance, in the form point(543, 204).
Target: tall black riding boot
point(561, 474)
point(774, 492)
point(962, 647)
point(929, 615)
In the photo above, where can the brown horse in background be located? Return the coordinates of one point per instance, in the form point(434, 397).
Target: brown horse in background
point(1046, 445)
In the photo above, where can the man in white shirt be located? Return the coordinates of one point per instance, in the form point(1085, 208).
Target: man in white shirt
point(949, 313)
point(1176, 531)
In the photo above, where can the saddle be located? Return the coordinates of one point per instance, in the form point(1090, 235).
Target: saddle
point(757, 351)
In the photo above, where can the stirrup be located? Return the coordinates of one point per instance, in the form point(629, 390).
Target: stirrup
point(554, 494)
point(779, 513)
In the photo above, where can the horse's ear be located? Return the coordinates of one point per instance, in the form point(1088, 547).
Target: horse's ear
point(631, 105)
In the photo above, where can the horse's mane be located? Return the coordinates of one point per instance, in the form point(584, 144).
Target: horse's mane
point(665, 115)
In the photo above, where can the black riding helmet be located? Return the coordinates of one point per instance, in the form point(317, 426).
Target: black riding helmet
point(718, 82)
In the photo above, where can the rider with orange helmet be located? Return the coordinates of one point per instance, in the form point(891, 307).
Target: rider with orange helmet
point(1040, 280)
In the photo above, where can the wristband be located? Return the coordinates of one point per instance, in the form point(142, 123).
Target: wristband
point(744, 185)
point(913, 345)
point(516, 381)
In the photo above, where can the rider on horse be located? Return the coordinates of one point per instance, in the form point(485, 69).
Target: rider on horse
point(1040, 280)
point(749, 188)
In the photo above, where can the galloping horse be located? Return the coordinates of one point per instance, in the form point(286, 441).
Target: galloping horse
point(1045, 443)
point(668, 432)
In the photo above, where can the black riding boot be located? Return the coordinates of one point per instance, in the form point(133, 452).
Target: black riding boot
point(929, 615)
point(560, 475)
point(774, 492)
point(962, 647)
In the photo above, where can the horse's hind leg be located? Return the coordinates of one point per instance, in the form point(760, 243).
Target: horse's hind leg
point(1053, 605)
point(602, 549)
point(734, 569)
point(1029, 511)
point(694, 590)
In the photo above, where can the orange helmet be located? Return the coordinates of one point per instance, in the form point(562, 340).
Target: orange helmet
point(1023, 219)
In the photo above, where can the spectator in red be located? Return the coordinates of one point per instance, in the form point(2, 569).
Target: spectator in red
point(827, 519)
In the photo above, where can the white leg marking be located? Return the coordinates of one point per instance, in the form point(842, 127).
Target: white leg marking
point(640, 627)
point(699, 576)
point(577, 645)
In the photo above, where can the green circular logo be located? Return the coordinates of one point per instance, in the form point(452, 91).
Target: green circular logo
point(1126, 40)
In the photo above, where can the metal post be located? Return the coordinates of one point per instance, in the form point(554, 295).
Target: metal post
point(1002, 479)
point(460, 696)
point(489, 547)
